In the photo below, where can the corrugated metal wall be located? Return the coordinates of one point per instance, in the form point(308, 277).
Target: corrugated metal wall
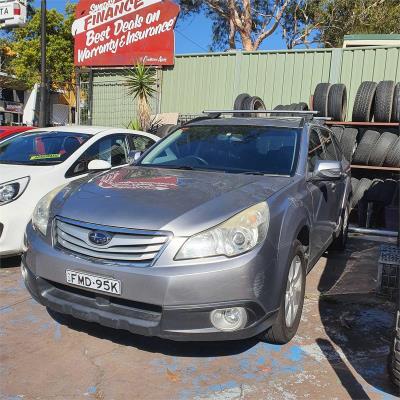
point(212, 81)
point(111, 104)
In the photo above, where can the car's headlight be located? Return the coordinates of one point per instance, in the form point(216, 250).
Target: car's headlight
point(10, 191)
point(41, 214)
point(235, 236)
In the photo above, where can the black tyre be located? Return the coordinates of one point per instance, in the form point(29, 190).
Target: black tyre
point(339, 243)
point(365, 147)
point(253, 103)
point(362, 187)
point(289, 314)
point(337, 102)
point(279, 107)
point(393, 156)
point(348, 143)
point(302, 106)
point(354, 185)
point(164, 130)
point(239, 101)
point(396, 104)
point(320, 99)
point(381, 149)
point(381, 191)
point(338, 132)
point(384, 101)
point(363, 109)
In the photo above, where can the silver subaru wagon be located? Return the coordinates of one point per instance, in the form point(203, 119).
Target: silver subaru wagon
point(209, 235)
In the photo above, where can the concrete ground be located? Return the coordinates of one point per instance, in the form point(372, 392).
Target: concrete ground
point(340, 351)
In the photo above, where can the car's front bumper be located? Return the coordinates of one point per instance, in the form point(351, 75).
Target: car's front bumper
point(168, 302)
point(14, 218)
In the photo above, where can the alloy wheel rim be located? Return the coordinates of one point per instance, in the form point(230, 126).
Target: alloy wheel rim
point(293, 291)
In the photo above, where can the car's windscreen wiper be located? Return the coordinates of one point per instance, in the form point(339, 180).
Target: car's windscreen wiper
point(253, 173)
point(186, 167)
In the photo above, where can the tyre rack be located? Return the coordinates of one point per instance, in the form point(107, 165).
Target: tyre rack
point(375, 170)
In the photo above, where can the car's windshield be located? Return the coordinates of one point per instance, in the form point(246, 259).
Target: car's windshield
point(233, 149)
point(41, 148)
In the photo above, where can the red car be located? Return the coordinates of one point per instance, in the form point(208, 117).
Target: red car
point(6, 131)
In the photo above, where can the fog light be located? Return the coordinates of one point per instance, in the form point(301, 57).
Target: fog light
point(229, 319)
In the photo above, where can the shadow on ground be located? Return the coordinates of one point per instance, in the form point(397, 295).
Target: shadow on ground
point(10, 262)
point(355, 320)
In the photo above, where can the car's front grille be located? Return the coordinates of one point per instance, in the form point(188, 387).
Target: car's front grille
point(136, 247)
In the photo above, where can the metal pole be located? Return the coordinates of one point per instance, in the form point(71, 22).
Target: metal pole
point(43, 83)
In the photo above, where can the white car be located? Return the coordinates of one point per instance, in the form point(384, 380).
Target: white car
point(36, 162)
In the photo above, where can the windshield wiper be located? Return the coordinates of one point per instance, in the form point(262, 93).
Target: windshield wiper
point(185, 167)
point(253, 173)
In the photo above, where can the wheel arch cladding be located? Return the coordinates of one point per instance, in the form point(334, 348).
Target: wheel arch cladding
point(294, 221)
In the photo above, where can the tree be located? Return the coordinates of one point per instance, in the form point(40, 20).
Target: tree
point(343, 17)
point(300, 22)
point(24, 48)
point(250, 22)
point(141, 82)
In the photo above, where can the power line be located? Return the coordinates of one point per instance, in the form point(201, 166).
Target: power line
point(191, 40)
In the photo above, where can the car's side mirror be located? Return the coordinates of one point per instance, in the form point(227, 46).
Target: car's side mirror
point(98, 165)
point(327, 170)
point(133, 156)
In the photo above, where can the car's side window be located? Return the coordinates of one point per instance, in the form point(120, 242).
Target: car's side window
point(315, 149)
point(113, 148)
point(330, 150)
point(141, 143)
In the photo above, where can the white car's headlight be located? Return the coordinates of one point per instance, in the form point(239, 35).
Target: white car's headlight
point(10, 191)
point(235, 236)
point(41, 214)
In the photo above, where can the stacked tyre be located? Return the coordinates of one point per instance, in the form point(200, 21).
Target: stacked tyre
point(381, 193)
point(378, 101)
point(331, 101)
point(246, 102)
point(378, 149)
point(302, 106)
point(347, 139)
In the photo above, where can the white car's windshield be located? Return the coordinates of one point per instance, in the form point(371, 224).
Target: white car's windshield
point(235, 149)
point(41, 148)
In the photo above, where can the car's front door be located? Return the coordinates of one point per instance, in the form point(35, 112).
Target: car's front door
point(323, 195)
point(332, 152)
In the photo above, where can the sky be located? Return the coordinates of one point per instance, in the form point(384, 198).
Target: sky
point(192, 35)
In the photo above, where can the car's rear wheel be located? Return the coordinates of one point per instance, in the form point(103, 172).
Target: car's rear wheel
point(289, 314)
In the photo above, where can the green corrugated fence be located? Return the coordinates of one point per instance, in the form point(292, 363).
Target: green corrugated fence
point(212, 81)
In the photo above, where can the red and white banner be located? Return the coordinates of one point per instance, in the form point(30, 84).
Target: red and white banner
point(124, 32)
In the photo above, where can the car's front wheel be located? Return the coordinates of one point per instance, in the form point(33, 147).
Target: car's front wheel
point(288, 318)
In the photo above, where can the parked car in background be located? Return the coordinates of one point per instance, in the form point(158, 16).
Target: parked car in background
point(36, 162)
point(8, 131)
point(209, 236)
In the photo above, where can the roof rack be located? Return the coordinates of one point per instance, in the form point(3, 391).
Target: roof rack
point(300, 113)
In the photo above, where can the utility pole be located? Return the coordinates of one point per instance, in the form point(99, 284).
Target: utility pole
point(43, 83)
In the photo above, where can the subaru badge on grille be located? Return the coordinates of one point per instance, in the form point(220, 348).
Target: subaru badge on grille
point(100, 238)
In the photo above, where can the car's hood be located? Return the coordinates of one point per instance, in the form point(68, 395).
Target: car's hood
point(183, 202)
point(9, 172)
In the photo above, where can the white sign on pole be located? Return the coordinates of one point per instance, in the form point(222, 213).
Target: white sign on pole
point(12, 13)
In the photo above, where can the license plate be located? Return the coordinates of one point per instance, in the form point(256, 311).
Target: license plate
point(95, 282)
